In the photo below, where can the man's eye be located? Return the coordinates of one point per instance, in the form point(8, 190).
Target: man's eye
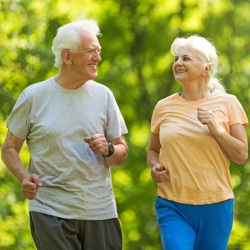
point(94, 51)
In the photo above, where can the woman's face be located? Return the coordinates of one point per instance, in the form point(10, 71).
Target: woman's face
point(187, 66)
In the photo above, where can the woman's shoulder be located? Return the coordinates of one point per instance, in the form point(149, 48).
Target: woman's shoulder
point(169, 99)
point(225, 95)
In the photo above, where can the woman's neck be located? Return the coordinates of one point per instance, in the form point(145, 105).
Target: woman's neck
point(193, 95)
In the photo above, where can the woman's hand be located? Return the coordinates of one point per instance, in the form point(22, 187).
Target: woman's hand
point(206, 117)
point(158, 173)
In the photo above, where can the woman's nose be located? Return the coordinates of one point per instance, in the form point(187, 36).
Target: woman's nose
point(178, 61)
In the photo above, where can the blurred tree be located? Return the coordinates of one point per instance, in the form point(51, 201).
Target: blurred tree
point(136, 65)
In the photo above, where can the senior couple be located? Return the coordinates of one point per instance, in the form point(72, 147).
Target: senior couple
point(75, 132)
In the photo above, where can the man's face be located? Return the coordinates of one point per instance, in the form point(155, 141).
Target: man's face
point(85, 60)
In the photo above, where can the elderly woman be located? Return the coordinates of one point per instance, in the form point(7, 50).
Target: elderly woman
point(194, 135)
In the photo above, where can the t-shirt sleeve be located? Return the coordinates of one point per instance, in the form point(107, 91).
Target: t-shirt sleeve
point(116, 126)
point(237, 113)
point(156, 120)
point(18, 120)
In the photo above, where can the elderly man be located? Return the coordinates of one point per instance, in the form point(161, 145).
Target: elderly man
point(74, 131)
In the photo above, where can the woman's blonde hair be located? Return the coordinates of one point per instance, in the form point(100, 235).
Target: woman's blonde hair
point(206, 52)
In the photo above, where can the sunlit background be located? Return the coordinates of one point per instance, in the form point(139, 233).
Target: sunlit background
point(136, 66)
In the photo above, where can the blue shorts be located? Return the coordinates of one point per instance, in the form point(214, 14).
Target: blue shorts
point(194, 227)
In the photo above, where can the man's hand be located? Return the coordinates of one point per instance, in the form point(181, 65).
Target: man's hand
point(30, 186)
point(98, 144)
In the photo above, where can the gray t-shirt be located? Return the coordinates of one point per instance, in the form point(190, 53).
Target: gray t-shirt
point(76, 182)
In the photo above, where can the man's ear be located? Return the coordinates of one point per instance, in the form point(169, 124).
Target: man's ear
point(66, 57)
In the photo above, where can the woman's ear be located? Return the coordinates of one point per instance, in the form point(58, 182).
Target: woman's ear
point(206, 70)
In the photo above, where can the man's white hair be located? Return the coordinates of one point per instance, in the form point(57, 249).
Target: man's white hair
point(68, 37)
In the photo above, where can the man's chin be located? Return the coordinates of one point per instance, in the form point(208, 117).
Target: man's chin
point(94, 75)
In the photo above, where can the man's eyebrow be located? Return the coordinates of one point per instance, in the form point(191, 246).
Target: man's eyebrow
point(182, 55)
point(93, 47)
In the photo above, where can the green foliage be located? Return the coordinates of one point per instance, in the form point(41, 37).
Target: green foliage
point(136, 65)
point(14, 220)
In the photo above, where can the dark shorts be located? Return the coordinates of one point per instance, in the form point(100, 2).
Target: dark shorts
point(53, 233)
